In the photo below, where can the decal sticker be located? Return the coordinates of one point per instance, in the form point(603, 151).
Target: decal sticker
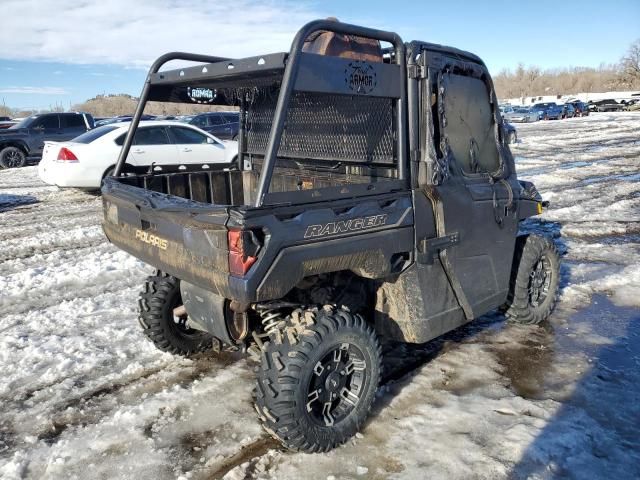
point(360, 77)
point(201, 95)
point(343, 226)
point(153, 240)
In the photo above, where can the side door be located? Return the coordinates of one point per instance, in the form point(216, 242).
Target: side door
point(153, 146)
point(44, 129)
point(72, 125)
point(472, 184)
point(195, 147)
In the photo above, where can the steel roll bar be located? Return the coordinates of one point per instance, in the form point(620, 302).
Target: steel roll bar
point(289, 79)
point(144, 96)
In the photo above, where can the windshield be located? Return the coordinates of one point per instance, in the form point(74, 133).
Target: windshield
point(25, 123)
point(522, 110)
point(94, 134)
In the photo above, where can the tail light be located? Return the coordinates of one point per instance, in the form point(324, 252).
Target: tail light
point(67, 155)
point(244, 246)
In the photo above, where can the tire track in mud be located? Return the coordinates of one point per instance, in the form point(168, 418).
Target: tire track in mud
point(16, 230)
point(41, 298)
point(100, 401)
point(52, 257)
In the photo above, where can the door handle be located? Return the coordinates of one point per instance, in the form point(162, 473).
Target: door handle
point(186, 149)
point(138, 150)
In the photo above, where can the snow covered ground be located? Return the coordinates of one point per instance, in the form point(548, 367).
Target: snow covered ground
point(84, 395)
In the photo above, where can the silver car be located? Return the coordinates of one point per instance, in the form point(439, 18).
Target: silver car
point(520, 115)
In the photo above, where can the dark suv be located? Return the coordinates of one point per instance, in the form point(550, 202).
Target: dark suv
point(224, 125)
point(26, 139)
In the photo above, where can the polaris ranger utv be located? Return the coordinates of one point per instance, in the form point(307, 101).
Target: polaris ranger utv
point(374, 198)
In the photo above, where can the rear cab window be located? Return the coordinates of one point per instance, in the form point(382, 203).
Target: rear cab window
point(95, 134)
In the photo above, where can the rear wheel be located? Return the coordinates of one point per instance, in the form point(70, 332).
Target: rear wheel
point(535, 277)
point(12, 157)
point(163, 322)
point(317, 379)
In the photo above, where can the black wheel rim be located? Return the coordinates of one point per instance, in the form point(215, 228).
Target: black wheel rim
point(12, 159)
point(336, 385)
point(540, 281)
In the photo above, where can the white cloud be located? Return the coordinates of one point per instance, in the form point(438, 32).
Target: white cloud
point(35, 90)
point(133, 34)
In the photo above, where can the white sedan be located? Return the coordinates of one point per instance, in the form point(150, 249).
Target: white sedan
point(84, 161)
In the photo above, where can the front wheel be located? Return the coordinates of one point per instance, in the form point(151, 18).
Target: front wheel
point(535, 277)
point(318, 378)
point(12, 157)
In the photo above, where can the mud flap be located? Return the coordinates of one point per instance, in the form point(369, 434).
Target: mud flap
point(206, 311)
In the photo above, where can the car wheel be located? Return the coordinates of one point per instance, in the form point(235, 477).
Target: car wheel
point(318, 378)
point(12, 157)
point(535, 276)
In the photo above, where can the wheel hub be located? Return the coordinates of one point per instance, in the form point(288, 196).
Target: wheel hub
point(539, 282)
point(335, 384)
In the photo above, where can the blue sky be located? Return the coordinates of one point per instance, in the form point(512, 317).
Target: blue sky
point(66, 51)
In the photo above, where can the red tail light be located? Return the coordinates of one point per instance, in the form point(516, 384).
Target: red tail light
point(67, 155)
point(243, 248)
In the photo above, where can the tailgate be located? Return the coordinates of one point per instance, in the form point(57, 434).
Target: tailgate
point(182, 237)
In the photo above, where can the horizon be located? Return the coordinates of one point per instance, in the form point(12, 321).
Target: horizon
point(92, 50)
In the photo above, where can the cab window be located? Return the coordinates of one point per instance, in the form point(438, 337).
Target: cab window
point(48, 121)
point(470, 128)
point(183, 135)
point(151, 136)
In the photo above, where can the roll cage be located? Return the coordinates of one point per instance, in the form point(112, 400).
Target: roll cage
point(218, 81)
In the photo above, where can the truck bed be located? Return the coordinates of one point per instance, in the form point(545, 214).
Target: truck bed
point(179, 223)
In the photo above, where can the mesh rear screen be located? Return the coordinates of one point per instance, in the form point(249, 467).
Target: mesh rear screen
point(325, 127)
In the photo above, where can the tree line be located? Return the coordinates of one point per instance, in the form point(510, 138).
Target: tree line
point(521, 82)
point(533, 81)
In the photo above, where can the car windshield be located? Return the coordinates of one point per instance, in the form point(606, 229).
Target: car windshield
point(94, 134)
point(25, 123)
point(522, 110)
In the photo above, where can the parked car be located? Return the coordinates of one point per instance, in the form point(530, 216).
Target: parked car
point(581, 108)
point(223, 125)
point(26, 139)
point(607, 105)
point(548, 111)
point(568, 111)
point(87, 159)
point(5, 119)
point(520, 115)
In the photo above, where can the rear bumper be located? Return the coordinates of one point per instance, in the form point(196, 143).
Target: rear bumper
point(70, 174)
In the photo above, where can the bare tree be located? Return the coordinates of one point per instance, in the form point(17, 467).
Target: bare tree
point(630, 65)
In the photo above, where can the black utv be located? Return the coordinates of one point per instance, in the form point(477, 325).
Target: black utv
point(375, 198)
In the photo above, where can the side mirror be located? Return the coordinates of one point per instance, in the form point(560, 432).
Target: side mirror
point(211, 141)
